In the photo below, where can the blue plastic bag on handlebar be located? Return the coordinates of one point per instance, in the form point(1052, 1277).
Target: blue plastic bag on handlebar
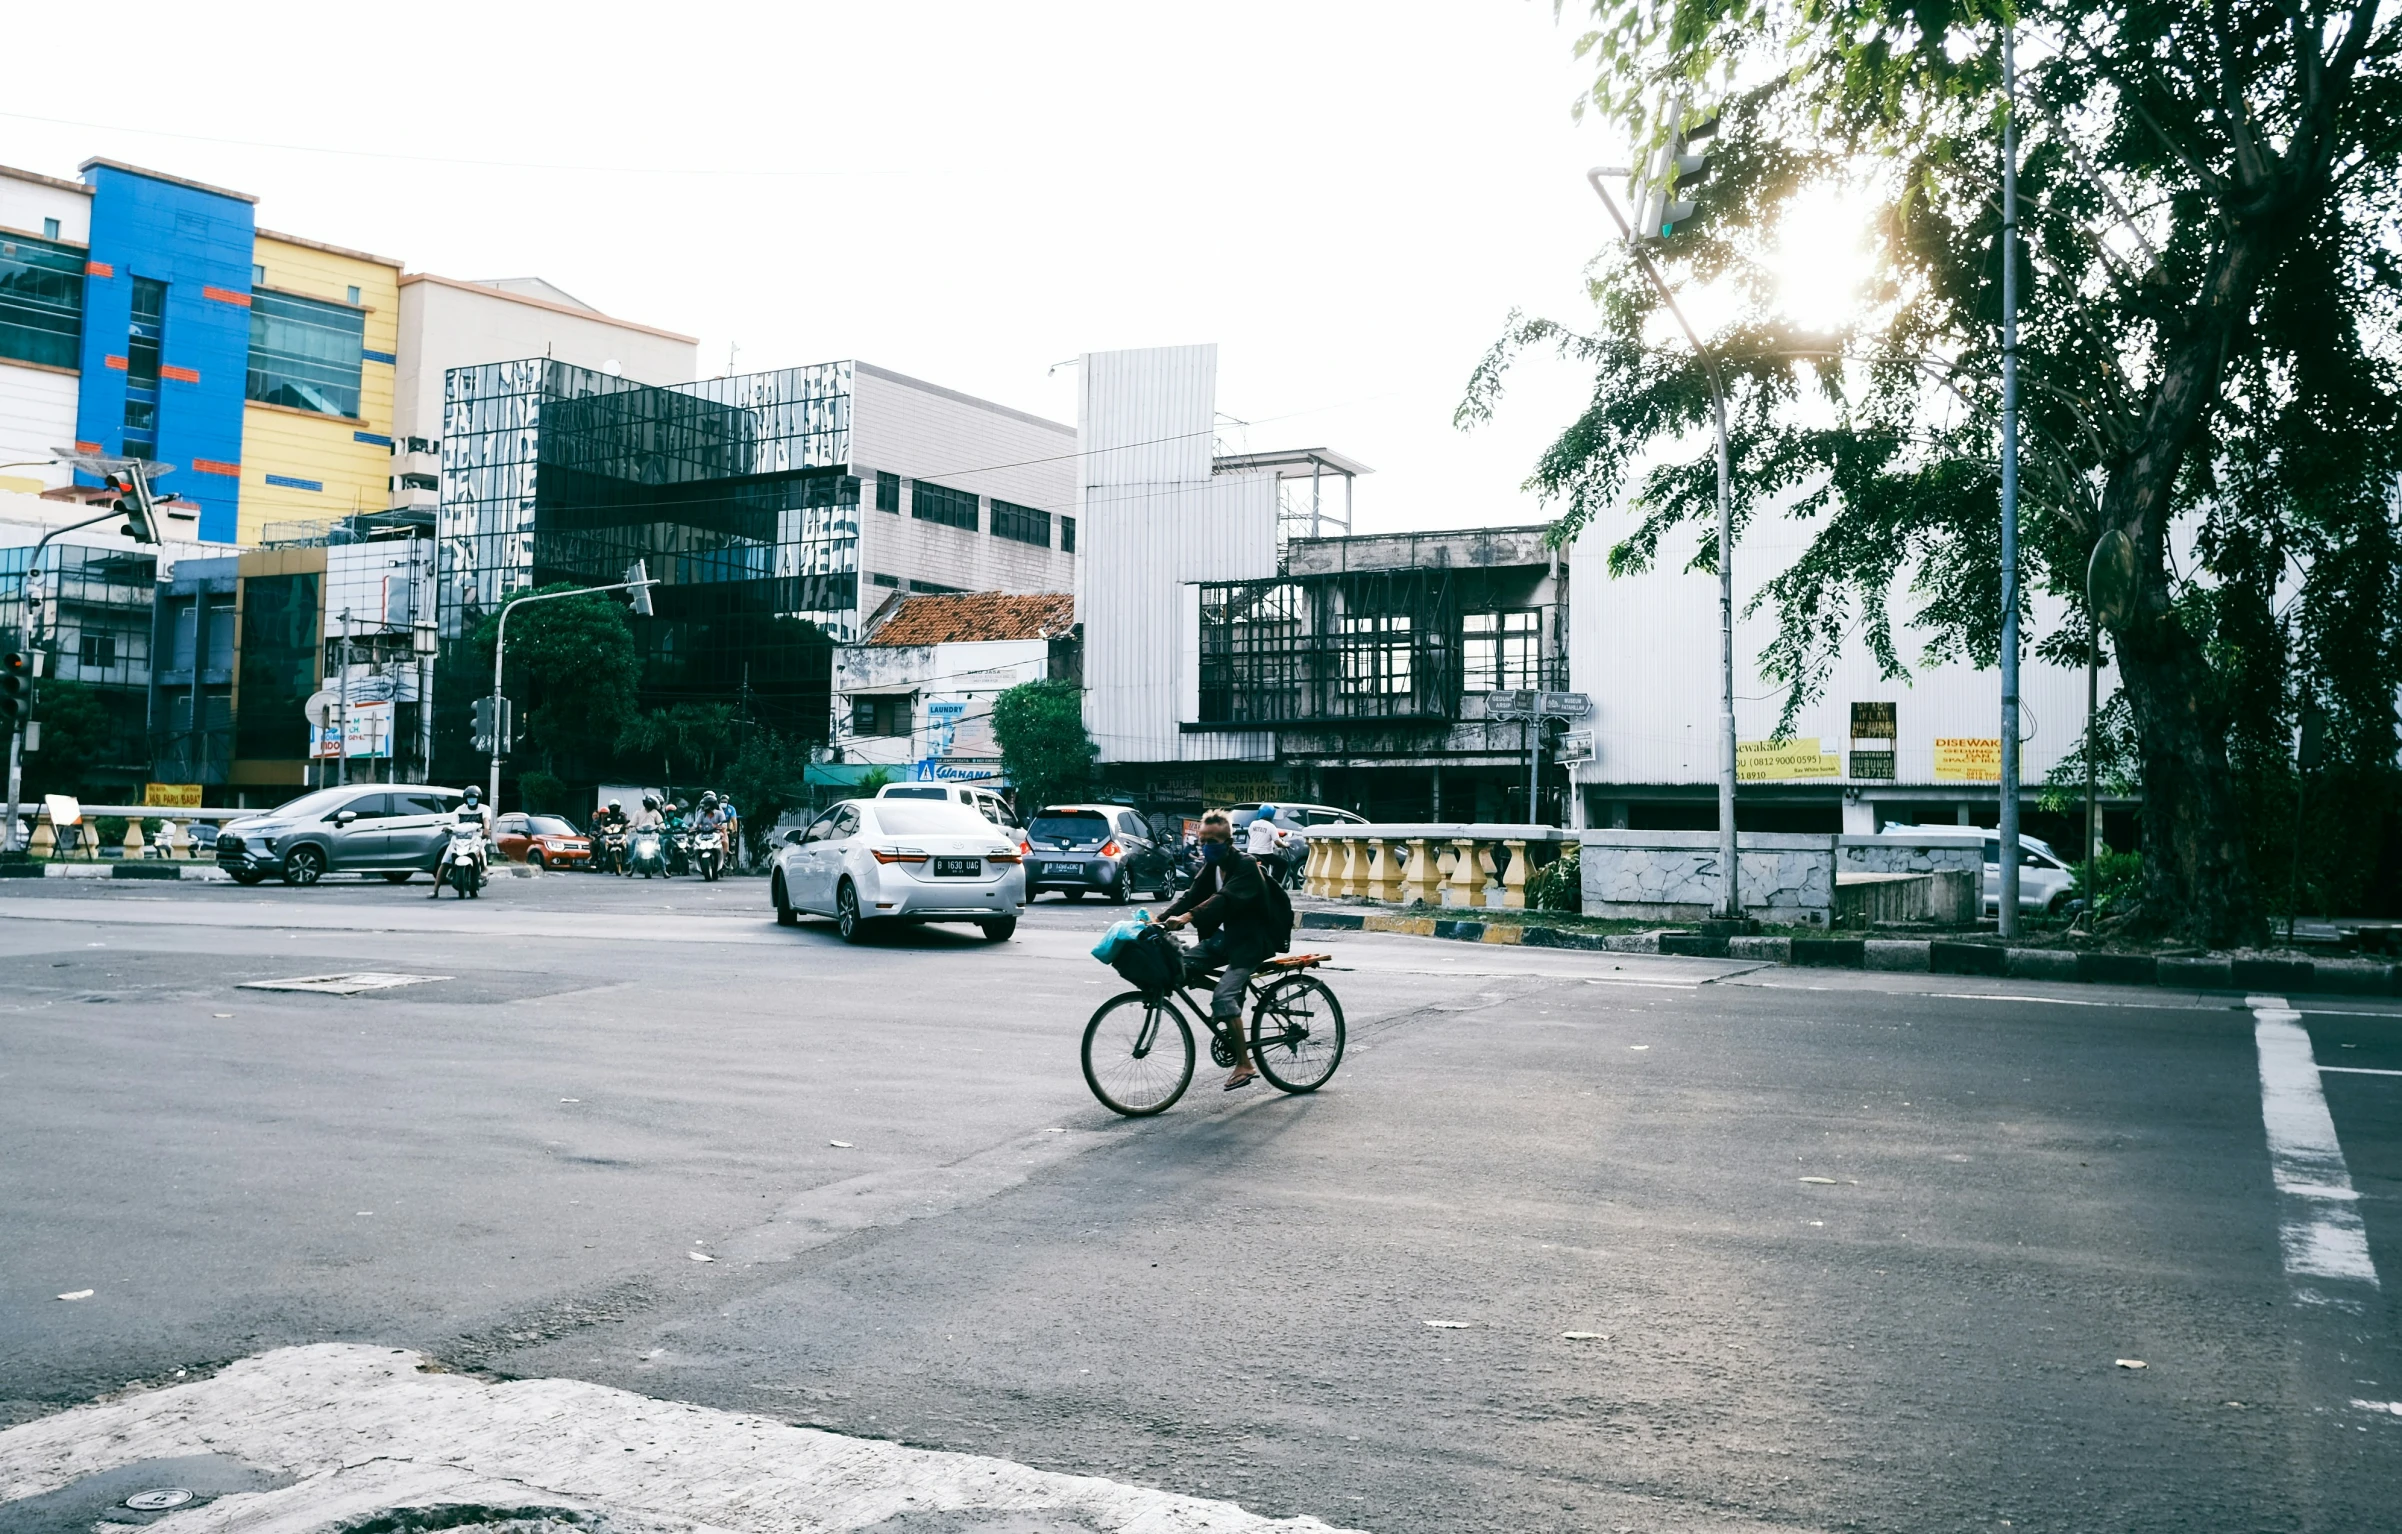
point(1120, 933)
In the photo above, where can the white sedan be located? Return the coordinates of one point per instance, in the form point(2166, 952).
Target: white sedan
point(866, 862)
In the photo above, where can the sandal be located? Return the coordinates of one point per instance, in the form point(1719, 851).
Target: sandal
point(1239, 1079)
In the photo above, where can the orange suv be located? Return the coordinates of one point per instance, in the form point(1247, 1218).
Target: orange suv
point(546, 841)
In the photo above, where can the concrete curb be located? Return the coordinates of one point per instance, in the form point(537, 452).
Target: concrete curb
point(1937, 956)
point(145, 868)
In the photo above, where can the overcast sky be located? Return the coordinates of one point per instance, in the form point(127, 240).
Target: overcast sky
point(1348, 197)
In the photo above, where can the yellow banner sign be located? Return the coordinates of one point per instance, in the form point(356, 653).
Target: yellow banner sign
point(1968, 758)
point(1763, 761)
point(171, 796)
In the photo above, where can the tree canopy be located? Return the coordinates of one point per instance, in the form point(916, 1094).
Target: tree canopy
point(2208, 365)
point(572, 675)
point(1044, 746)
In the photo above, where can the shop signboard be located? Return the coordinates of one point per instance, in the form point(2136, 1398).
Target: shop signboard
point(1781, 761)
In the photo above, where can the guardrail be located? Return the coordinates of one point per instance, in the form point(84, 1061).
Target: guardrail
point(1478, 867)
point(173, 842)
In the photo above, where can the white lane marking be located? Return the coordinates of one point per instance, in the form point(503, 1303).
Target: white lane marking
point(2359, 1070)
point(362, 1430)
point(2319, 1221)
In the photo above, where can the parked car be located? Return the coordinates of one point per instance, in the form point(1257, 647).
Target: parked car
point(393, 829)
point(867, 862)
point(1296, 817)
point(1097, 849)
point(2045, 879)
point(545, 841)
point(982, 800)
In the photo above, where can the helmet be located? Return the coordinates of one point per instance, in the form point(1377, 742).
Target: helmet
point(650, 801)
point(473, 793)
point(681, 806)
point(613, 804)
point(1267, 812)
point(707, 800)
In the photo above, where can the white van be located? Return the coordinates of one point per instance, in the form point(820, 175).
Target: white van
point(982, 800)
point(2045, 880)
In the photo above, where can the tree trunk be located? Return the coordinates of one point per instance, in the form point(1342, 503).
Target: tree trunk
point(2198, 876)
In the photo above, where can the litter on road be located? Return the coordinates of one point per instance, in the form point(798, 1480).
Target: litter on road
point(341, 985)
point(840, 1144)
point(1828, 1181)
point(77, 1294)
point(2133, 1363)
point(1452, 1325)
point(700, 1257)
point(1586, 1336)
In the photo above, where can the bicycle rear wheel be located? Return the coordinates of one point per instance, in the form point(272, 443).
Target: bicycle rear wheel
point(1297, 1033)
point(1138, 1054)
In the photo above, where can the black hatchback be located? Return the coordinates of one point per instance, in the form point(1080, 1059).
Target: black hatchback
point(1098, 849)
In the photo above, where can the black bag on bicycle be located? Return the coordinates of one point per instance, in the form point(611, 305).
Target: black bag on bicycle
point(1152, 962)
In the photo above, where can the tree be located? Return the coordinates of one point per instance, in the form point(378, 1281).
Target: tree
point(77, 735)
point(572, 675)
point(768, 777)
point(1044, 747)
point(2208, 291)
point(688, 742)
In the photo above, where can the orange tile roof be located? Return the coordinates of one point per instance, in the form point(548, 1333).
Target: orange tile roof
point(976, 616)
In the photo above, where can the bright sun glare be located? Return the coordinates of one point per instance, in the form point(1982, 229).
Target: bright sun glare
point(1822, 263)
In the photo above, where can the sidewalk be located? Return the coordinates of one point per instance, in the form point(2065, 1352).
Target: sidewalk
point(1940, 956)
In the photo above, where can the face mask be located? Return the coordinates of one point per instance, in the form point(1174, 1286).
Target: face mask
point(1214, 853)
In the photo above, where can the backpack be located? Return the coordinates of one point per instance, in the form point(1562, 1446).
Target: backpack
point(1151, 961)
point(1280, 911)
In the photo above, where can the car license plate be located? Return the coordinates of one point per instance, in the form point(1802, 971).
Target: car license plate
point(958, 868)
point(1063, 868)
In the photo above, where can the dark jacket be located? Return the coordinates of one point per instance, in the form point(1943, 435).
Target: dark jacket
point(1231, 898)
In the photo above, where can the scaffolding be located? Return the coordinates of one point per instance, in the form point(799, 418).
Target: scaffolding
point(1305, 485)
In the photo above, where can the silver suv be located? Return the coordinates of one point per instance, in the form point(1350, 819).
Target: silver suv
point(2045, 879)
point(393, 829)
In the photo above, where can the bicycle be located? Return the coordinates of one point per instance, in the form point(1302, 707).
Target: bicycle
point(1138, 1048)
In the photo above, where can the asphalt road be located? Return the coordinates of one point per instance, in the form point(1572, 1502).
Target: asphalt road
point(1852, 1251)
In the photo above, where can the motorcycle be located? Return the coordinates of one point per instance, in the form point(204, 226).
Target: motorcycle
point(462, 862)
point(709, 853)
point(679, 850)
point(644, 857)
point(613, 852)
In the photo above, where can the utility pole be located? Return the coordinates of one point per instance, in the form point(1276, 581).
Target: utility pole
point(1687, 170)
point(2008, 834)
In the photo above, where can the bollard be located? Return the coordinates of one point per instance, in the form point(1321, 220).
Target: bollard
point(1513, 882)
point(1422, 881)
point(1464, 889)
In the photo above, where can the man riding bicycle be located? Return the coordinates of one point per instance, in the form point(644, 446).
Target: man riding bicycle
point(1228, 905)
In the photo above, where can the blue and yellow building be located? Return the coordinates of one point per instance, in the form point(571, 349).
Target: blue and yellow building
point(147, 315)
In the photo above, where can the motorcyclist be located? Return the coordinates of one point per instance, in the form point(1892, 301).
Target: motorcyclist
point(649, 817)
point(471, 812)
point(713, 818)
point(610, 822)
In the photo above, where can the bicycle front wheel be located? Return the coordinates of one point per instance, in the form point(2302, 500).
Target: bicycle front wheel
point(1138, 1054)
point(1297, 1034)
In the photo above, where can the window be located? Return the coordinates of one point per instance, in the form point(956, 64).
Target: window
point(1376, 655)
point(354, 295)
point(888, 491)
point(1067, 535)
point(258, 272)
point(143, 339)
point(366, 807)
point(305, 354)
point(886, 580)
point(934, 589)
point(1501, 651)
point(1021, 523)
point(50, 229)
point(282, 641)
point(880, 715)
point(97, 651)
point(425, 801)
point(940, 503)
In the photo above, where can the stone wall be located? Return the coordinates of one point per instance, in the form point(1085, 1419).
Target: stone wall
point(1674, 875)
point(1783, 878)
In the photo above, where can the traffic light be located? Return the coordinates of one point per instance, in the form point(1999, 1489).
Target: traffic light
point(16, 689)
point(638, 581)
point(1680, 171)
point(133, 499)
point(487, 739)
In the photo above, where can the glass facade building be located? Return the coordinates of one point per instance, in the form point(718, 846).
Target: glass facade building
point(735, 492)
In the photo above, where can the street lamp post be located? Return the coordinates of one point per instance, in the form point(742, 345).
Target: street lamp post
point(637, 581)
point(1731, 905)
point(2007, 832)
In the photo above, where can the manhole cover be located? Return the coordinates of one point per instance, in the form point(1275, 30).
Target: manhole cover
point(340, 985)
point(158, 1499)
